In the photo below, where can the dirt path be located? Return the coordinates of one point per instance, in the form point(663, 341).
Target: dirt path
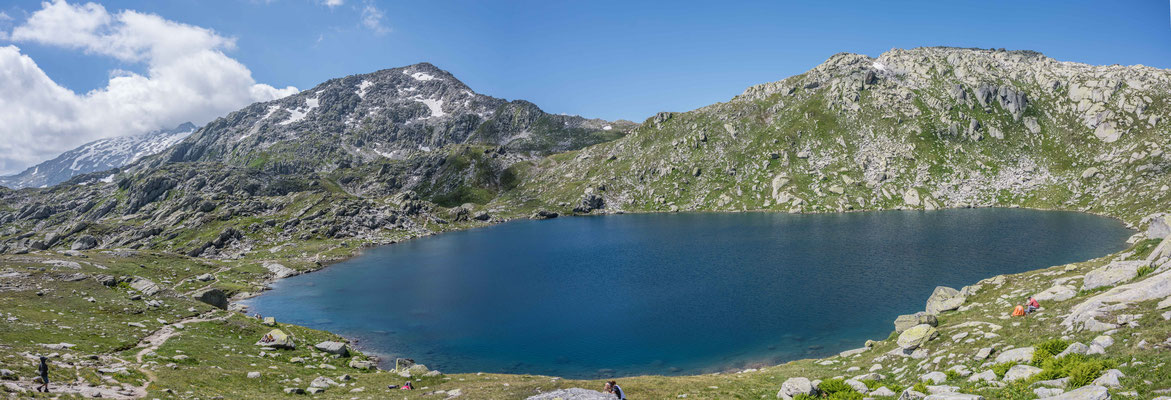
point(148, 344)
point(156, 339)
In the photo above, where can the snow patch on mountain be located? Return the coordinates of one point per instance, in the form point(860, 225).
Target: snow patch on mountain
point(436, 107)
point(300, 113)
point(421, 76)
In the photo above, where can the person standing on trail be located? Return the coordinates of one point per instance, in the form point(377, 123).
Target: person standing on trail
point(43, 369)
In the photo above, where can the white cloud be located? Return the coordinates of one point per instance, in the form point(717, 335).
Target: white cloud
point(333, 3)
point(4, 20)
point(187, 78)
point(372, 18)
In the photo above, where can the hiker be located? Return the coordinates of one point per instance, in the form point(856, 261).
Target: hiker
point(1019, 311)
point(1031, 305)
point(43, 369)
point(613, 388)
point(407, 386)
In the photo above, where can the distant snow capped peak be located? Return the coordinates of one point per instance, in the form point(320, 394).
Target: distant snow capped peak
point(99, 155)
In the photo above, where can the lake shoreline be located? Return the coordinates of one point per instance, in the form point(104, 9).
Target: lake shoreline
point(369, 244)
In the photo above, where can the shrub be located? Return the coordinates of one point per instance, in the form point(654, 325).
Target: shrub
point(920, 387)
point(1053, 346)
point(1145, 270)
point(831, 386)
point(1046, 350)
point(1085, 373)
point(1002, 368)
point(952, 375)
point(803, 396)
point(851, 395)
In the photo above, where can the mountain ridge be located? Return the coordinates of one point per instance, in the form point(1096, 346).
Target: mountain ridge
point(96, 156)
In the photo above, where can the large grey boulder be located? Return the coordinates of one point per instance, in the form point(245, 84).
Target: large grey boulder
point(911, 395)
point(944, 299)
point(935, 377)
point(1018, 372)
point(1056, 293)
point(918, 335)
point(332, 347)
point(1044, 392)
point(85, 242)
point(1154, 287)
point(213, 296)
point(986, 376)
point(1158, 225)
point(1074, 348)
point(795, 386)
point(277, 339)
point(278, 270)
point(1021, 355)
point(145, 286)
point(906, 321)
point(1110, 378)
point(572, 394)
point(1112, 274)
point(857, 385)
point(322, 382)
point(1091, 392)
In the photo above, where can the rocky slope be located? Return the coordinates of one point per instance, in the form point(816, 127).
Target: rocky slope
point(922, 128)
point(97, 156)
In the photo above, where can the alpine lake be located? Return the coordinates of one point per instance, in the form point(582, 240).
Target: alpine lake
point(669, 294)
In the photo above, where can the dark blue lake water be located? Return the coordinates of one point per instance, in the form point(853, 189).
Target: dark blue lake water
point(622, 295)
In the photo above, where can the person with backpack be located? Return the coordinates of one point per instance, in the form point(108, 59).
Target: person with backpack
point(43, 370)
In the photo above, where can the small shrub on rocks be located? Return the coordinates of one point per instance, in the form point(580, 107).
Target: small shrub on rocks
point(831, 386)
point(1044, 351)
point(1084, 373)
point(1002, 368)
point(1145, 270)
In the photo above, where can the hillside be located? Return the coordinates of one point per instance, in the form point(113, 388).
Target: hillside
point(919, 129)
point(289, 186)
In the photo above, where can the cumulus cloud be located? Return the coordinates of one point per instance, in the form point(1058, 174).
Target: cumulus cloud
point(372, 19)
point(188, 78)
point(333, 3)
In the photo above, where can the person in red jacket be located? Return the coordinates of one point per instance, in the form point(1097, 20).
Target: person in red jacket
point(1031, 305)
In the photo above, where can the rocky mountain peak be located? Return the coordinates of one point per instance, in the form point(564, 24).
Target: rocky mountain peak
point(387, 114)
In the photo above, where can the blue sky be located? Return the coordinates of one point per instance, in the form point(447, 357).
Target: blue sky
point(606, 59)
point(624, 59)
